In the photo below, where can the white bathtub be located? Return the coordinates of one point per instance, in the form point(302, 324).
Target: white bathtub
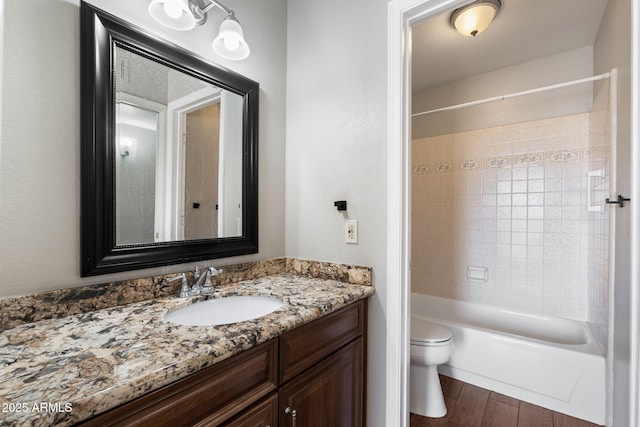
point(550, 362)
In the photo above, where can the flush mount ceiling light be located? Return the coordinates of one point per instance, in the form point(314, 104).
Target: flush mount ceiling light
point(184, 15)
point(474, 18)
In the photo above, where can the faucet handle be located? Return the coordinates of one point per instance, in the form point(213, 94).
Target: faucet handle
point(185, 291)
point(208, 288)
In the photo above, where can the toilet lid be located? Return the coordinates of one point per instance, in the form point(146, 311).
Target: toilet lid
point(423, 331)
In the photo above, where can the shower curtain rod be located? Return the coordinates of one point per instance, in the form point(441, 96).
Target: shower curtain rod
point(516, 94)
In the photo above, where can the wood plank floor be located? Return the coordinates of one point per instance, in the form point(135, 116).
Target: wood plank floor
point(471, 406)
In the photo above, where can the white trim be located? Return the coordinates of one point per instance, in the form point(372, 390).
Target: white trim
point(161, 152)
point(230, 166)
point(401, 15)
point(613, 177)
point(222, 148)
point(634, 362)
point(396, 341)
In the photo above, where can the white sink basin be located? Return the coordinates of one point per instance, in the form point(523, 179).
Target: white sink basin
point(223, 311)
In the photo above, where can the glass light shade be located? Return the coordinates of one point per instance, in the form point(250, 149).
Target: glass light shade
point(230, 43)
point(174, 14)
point(474, 18)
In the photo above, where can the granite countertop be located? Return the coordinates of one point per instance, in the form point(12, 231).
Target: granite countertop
point(65, 370)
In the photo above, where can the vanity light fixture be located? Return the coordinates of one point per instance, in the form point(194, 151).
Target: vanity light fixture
point(474, 18)
point(184, 15)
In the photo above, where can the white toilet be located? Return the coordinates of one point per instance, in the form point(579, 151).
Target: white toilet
point(431, 345)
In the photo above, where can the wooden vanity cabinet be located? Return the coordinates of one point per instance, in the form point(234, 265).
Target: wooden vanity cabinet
point(330, 394)
point(262, 414)
point(322, 371)
point(206, 398)
point(315, 372)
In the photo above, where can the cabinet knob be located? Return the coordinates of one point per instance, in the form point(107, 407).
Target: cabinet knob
point(289, 411)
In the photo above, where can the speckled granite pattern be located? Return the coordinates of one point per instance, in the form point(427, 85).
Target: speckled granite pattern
point(98, 360)
point(328, 270)
point(60, 303)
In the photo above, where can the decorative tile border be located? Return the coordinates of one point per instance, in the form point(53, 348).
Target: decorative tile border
point(539, 158)
point(444, 167)
point(15, 311)
point(526, 159)
point(470, 164)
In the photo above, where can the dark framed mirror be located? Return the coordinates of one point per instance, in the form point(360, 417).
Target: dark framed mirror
point(169, 152)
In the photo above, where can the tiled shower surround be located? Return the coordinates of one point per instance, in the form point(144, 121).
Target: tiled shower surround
point(512, 199)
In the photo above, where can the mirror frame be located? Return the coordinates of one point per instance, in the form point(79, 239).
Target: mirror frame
point(100, 32)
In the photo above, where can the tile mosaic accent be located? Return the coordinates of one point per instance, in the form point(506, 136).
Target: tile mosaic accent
point(469, 164)
point(444, 168)
point(528, 159)
point(421, 169)
point(539, 158)
point(515, 203)
point(65, 302)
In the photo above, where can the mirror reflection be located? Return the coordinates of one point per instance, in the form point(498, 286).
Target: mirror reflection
point(178, 155)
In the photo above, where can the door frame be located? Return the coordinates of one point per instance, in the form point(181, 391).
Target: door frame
point(402, 14)
point(634, 365)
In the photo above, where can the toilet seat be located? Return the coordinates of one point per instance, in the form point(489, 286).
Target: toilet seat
point(425, 333)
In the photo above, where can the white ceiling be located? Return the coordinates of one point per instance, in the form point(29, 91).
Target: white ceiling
point(522, 31)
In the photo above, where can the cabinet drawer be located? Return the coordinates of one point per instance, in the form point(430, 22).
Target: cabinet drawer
point(262, 414)
point(214, 394)
point(308, 344)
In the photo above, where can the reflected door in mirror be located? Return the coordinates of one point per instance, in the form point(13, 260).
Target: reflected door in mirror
point(136, 172)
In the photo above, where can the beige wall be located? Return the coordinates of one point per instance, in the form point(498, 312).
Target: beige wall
point(202, 157)
point(558, 68)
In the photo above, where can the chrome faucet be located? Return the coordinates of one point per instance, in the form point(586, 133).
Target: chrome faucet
point(185, 291)
point(202, 282)
point(196, 289)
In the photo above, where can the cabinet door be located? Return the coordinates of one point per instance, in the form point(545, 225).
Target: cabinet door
point(262, 414)
point(330, 394)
